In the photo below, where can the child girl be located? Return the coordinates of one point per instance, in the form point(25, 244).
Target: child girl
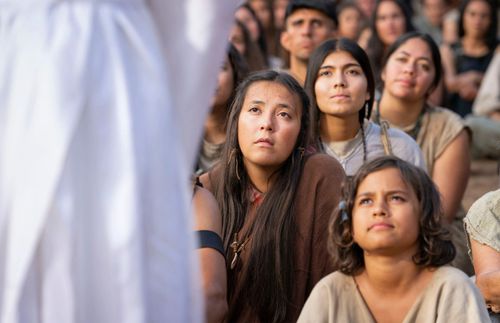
point(341, 86)
point(275, 200)
point(386, 237)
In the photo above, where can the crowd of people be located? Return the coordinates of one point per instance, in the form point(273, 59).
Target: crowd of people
point(335, 158)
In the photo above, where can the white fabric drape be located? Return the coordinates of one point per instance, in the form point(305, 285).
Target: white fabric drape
point(101, 107)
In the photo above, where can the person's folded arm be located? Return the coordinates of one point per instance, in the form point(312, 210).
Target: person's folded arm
point(487, 267)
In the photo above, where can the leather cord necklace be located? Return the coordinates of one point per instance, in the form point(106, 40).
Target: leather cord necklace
point(237, 248)
point(413, 132)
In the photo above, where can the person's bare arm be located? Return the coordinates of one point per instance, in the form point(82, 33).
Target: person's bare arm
point(487, 267)
point(469, 83)
point(450, 30)
point(450, 80)
point(451, 173)
point(212, 263)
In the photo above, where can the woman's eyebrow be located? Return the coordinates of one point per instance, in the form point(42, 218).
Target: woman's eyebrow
point(418, 58)
point(343, 66)
point(404, 53)
point(370, 193)
point(279, 104)
point(290, 107)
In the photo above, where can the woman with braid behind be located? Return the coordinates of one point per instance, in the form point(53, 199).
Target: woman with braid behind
point(275, 200)
point(341, 87)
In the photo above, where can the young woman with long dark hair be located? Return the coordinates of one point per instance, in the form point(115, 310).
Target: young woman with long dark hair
point(341, 87)
point(275, 198)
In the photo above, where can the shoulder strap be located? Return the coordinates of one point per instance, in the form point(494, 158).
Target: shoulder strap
point(384, 137)
point(210, 239)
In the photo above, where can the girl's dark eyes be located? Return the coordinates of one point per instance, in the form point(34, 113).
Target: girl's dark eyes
point(284, 115)
point(325, 73)
point(349, 72)
point(398, 198)
point(425, 67)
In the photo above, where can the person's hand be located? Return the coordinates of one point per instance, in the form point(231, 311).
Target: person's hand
point(468, 91)
point(495, 115)
point(470, 77)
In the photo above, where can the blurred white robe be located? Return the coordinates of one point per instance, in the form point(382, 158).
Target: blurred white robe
point(101, 106)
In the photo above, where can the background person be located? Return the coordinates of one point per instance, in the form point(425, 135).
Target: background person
point(307, 24)
point(466, 60)
point(483, 228)
point(264, 11)
point(249, 18)
point(485, 121)
point(240, 38)
point(350, 20)
point(431, 17)
point(233, 71)
point(390, 19)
